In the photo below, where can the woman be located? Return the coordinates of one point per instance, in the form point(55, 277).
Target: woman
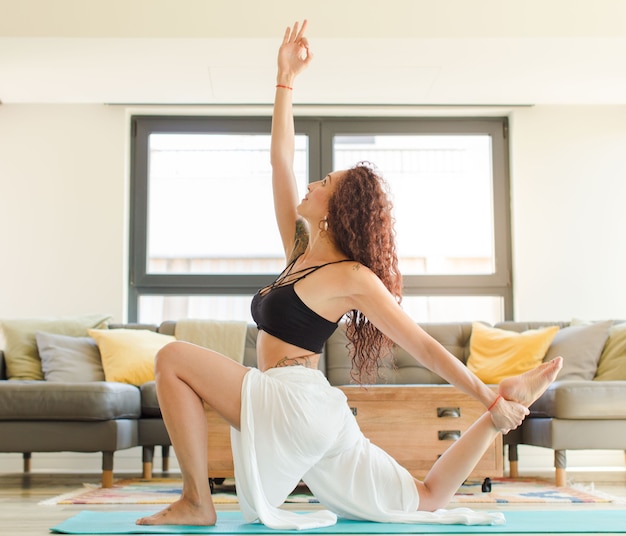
point(288, 423)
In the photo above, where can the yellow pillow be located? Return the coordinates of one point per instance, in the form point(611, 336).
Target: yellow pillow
point(128, 354)
point(496, 354)
point(612, 366)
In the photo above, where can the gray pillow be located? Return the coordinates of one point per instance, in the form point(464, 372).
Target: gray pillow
point(581, 347)
point(69, 359)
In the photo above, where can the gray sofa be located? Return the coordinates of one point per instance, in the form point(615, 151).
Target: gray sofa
point(575, 413)
point(579, 411)
point(46, 416)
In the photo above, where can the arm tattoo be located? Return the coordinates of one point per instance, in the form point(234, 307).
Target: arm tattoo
point(301, 240)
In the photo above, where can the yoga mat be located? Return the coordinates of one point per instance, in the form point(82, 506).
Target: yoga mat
point(517, 522)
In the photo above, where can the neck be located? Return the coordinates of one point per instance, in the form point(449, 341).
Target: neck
point(320, 249)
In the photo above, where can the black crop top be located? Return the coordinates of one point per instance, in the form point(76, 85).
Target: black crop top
point(279, 311)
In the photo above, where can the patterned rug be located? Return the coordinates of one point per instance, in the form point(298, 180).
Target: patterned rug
point(527, 490)
point(167, 490)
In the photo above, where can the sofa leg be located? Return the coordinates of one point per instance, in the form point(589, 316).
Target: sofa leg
point(513, 462)
point(560, 465)
point(147, 471)
point(107, 469)
point(147, 458)
point(26, 458)
point(165, 458)
point(560, 477)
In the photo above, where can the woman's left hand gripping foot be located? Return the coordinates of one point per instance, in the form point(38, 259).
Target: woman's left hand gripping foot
point(507, 415)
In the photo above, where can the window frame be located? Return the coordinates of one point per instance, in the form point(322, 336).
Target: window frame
point(496, 284)
point(320, 132)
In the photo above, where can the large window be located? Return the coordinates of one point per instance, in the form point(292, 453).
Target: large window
point(203, 237)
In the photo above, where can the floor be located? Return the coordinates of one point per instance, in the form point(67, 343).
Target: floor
point(21, 514)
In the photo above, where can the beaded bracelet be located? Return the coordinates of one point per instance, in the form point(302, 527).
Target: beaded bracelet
point(284, 87)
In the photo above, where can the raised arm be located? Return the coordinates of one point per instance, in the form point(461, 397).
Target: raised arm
point(293, 57)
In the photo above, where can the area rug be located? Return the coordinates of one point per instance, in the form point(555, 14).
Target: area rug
point(167, 490)
point(527, 490)
point(517, 522)
point(157, 491)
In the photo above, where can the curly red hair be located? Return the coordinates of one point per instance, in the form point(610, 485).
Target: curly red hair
point(362, 226)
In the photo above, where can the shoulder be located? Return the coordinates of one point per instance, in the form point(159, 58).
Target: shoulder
point(359, 279)
point(361, 289)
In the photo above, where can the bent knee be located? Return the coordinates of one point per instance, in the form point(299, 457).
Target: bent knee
point(169, 354)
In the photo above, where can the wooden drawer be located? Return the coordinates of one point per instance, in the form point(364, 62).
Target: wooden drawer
point(220, 456)
point(414, 424)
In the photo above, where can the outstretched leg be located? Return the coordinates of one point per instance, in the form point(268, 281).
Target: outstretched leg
point(454, 466)
point(187, 375)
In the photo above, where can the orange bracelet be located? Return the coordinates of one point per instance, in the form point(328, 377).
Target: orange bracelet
point(493, 405)
point(284, 87)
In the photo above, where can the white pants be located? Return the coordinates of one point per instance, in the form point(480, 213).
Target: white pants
point(296, 426)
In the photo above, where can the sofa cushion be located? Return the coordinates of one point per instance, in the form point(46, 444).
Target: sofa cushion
point(227, 337)
point(69, 359)
point(496, 354)
point(582, 400)
point(399, 368)
point(338, 362)
point(581, 347)
point(453, 336)
point(59, 401)
point(168, 327)
point(149, 402)
point(405, 369)
point(21, 354)
point(612, 366)
point(128, 354)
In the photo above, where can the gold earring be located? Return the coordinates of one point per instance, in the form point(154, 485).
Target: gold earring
point(323, 225)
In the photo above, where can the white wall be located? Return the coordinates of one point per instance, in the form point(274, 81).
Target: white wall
point(63, 191)
point(568, 188)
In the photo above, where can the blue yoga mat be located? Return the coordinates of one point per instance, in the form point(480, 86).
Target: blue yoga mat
point(517, 522)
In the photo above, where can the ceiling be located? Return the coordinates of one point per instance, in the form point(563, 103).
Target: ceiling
point(397, 52)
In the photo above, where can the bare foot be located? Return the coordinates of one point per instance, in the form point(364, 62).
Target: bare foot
point(528, 387)
point(182, 512)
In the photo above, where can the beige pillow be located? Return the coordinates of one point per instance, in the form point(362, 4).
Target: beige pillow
point(128, 354)
point(21, 354)
point(612, 366)
point(581, 347)
point(496, 354)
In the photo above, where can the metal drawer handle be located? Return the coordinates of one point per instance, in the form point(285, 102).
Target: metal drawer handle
point(449, 412)
point(353, 410)
point(449, 435)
